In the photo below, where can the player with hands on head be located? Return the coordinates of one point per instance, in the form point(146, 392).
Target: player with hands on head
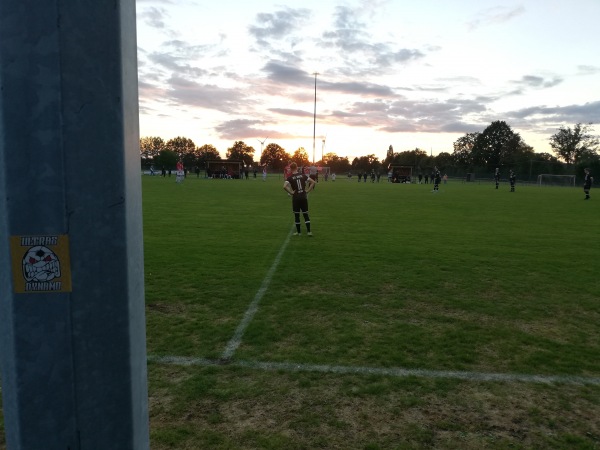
point(512, 178)
point(588, 179)
point(437, 178)
point(298, 185)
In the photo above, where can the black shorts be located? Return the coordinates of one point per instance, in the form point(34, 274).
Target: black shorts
point(299, 204)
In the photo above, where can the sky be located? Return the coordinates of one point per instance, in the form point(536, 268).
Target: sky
point(411, 74)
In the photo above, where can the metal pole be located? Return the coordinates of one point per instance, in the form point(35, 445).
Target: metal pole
point(72, 328)
point(315, 117)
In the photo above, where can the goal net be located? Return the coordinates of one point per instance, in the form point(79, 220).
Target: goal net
point(546, 179)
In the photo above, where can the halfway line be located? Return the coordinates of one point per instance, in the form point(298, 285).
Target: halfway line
point(236, 340)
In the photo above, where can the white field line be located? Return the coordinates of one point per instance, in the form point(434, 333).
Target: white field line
point(389, 371)
point(235, 341)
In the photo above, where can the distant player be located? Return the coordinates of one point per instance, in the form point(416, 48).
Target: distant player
point(287, 172)
point(298, 185)
point(314, 173)
point(497, 177)
point(512, 178)
point(588, 179)
point(437, 177)
point(180, 174)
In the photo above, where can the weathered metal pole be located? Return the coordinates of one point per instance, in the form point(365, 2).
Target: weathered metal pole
point(315, 117)
point(72, 328)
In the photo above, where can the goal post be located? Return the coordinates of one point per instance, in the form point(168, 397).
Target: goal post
point(546, 179)
point(324, 171)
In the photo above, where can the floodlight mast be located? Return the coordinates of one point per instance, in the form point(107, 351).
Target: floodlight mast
point(315, 116)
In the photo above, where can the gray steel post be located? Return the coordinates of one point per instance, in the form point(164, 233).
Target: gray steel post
point(72, 325)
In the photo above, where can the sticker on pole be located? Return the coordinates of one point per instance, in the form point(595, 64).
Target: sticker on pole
point(40, 264)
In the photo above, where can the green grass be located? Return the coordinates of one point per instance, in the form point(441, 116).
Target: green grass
point(471, 279)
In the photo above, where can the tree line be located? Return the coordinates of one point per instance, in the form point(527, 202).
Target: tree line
point(480, 153)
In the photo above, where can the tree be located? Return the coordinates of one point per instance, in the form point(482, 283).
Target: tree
point(207, 152)
point(300, 157)
point(366, 163)
point(574, 145)
point(336, 163)
point(242, 152)
point(544, 163)
point(167, 158)
point(496, 145)
point(373, 161)
point(593, 163)
point(389, 155)
point(414, 158)
point(181, 146)
point(150, 147)
point(274, 156)
point(463, 148)
point(443, 160)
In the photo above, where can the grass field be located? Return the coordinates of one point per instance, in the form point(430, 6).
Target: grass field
point(465, 319)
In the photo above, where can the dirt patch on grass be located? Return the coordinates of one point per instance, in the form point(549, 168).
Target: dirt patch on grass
point(165, 308)
point(304, 410)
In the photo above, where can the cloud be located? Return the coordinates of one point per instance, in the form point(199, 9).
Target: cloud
point(276, 26)
point(587, 70)
point(443, 111)
point(268, 84)
point(357, 88)
point(208, 96)
point(461, 127)
point(391, 57)
point(153, 17)
point(404, 115)
point(586, 113)
point(293, 77)
point(173, 63)
point(291, 112)
point(237, 129)
point(165, 69)
point(495, 15)
point(282, 73)
point(534, 81)
point(351, 38)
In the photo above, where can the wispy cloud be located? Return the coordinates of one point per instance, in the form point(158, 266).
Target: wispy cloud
point(269, 27)
point(534, 81)
point(154, 17)
point(588, 112)
point(208, 96)
point(588, 70)
point(248, 129)
point(282, 73)
point(254, 77)
point(495, 15)
point(351, 37)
